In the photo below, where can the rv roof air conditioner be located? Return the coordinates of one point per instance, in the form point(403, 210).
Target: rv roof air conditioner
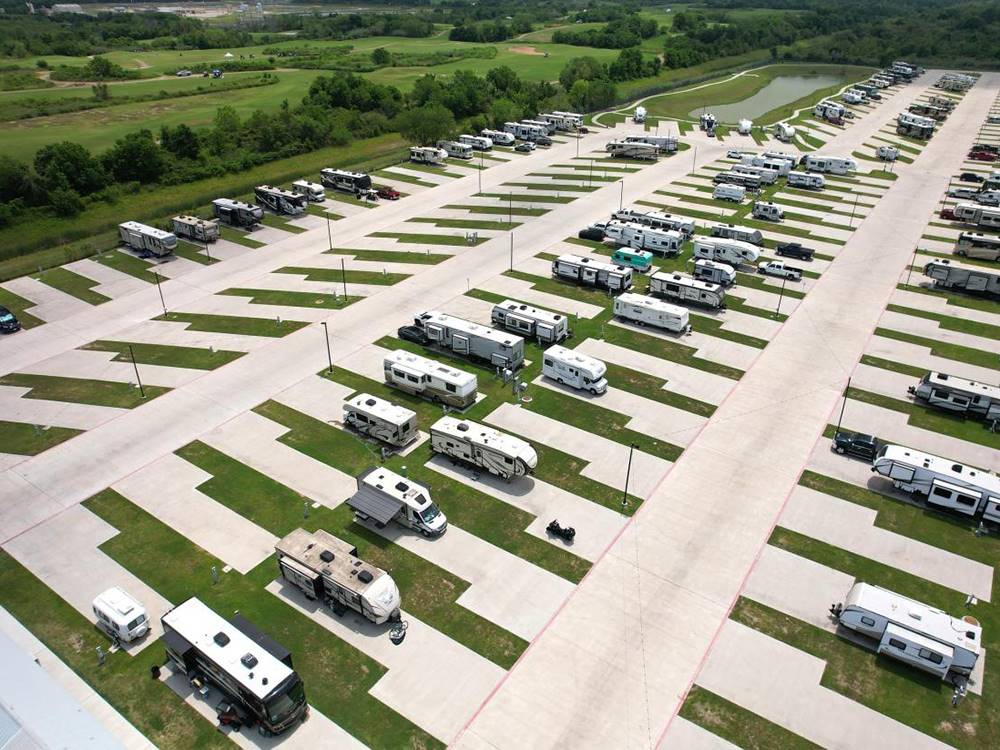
point(326, 556)
point(248, 660)
point(221, 639)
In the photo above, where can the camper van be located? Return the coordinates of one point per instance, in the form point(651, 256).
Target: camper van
point(455, 149)
point(506, 456)
point(649, 311)
point(768, 211)
point(829, 164)
point(428, 155)
point(193, 228)
point(727, 192)
point(943, 483)
point(734, 252)
point(717, 273)
point(977, 245)
point(947, 274)
point(385, 497)
point(147, 240)
point(639, 116)
point(328, 569)
point(665, 144)
point(280, 201)
point(498, 137)
point(380, 419)
point(806, 180)
point(641, 237)
point(237, 213)
point(542, 325)
point(959, 396)
point(595, 273)
point(736, 232)
point(914, 633)
point(632, 150)
point(640, 260)
point(476, 142)
point(657, 220)
point(428, 379)
point(574, 369)
point(499, 348)
point(313, 191)
point(119, 615)
point(681, 288)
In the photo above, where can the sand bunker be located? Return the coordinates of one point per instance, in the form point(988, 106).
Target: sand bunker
point(524, 51)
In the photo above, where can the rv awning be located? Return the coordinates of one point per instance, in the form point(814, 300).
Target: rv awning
point(893, 630)
point(380, 509)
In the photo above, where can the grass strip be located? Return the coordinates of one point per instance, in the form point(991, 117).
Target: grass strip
point(281, 297)
point(165, 355)
point(653, 388)
point(391, 256)
point(736, 724)
point(431, 239)
point(280, 222)
point(500, 210)
point(345, 198)
point(193, 253)
point(128, 264)
point(398, 177)
point(25, 439)
point(73, 284)
point(527, 197)
point(495, 226)
point(19, 306)
point(888, 364)
point(954, 298)
point(949, 323)
point(943, 349)
point(235, 324)
point(337, 276)
point(666, 349)
point(555, 187)
point(82, 390)
point(240, 238)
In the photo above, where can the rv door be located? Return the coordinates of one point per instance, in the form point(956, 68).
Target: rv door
point(589, 275)
point(545, 332)
point(460, 344)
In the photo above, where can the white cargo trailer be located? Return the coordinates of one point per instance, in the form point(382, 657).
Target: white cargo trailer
point(504, 455)
point(380, 419)
point(649, 311)
point(682, 288)
point(595, 273)
point(575, 370)
point(147, 240)
point(543, 325)
point(385, 497)
point(429, 379)
point(194, 228)
point(959, 396)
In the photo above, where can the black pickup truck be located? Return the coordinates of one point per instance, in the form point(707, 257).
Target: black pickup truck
point(794, 250)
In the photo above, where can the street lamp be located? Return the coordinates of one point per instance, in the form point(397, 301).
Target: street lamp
point(628, 472)
point(329, 356)
point(843, 405)
point(621, 195)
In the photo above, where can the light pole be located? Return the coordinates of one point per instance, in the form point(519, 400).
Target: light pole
point(510, 210)
point(480, 171)
point(781, 295)
point(694, 158)
point(343, 276)
point(909, 270)
point(512, 250)
point(628, 472)
point(160, 290)
point(329, 356)
point(329, 233)
point(131, 353)
point(621, 195)
point(843, 405)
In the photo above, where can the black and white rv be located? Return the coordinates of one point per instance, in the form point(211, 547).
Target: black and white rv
point(665, 144)
point(237, 213)
point(737, 232)
point(147, 240)
point(504, 455)
point(570, 367)
point(385, 497)
point(830, 164)
point(679, 287)
point(281, 201)
point(357, 183)
point(734, 252)
point(948, 274)
point(742, 179)
point(978, 245)
point(915, 126)
point(657, 220)
point(499, 348)
point(806, 180)
point(193, 228)
point(595, 273)
point(632, 150)
point(380, 419)
point(429, 379)
point(543, 325)
point(959, 396)
point(642, 237)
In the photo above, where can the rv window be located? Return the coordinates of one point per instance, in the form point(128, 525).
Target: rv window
point(413, 378)
point(965, 500)
point(930, 656)
point(360, 418)
point(450, 387)
point(508, 460)
point(548, 362)
point(868, 621)
point(398, 374)
point(941, 492)
point(897, 644)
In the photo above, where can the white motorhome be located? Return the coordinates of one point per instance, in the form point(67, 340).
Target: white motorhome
point(560, 122)
point(456, 149)
point(915, 126)
point(944, 483)
point(120, 615)
point(829, 110)
point(499, 348)
point(595, 273)
point(477, 142)
point(829, 164)
point(978, 245)
point(657, 220)
point(960, 396)
point(385, 497)
point(727, 192)
point(194, 228)
point(313, 191)
point(733, 252)
point(357, 183)
point(973, 213)
point(381, 419)
point(717, 273)
point(328, 569)
point(650, 311)
point(921, 636)
point(504, 455)
point(525, 132)
point(853, 97)
point(736, 232)
point(806, 180)
point(576, 370)
point(768, 211)
point(682, 288)
point(428, 155)
point(147, 240)
point(429, 379)
point(947, 274)
point(549, 127)
point(784, 132)
point(780, 165)
point(666, 144)
point(639, 116)
point(237, 213)
point(744, 126)
point(632, 150)
point(280, 201)
point(641, 237)
point(498, 137)
point(543, 325)
point(574, 117)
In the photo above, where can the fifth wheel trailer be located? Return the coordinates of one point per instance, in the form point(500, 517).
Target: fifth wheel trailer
point(959, 396)
point(737, 232)
point(977, 245)
point(734, 252)
point(632, 150)
point(147, 240)
point(666, 144)
point(830, 164)
point(504, 455)
point(543, 325)
point(681, 288)
point(346, 181)
point(657, 220)
point(948, 275)
point(328, 569)
point(281, 201)
point(499, 348)
point(429, 379)
point(384, 497)
point(200, 230)
point(595, 273)
point(973, 213)
point(380, 419)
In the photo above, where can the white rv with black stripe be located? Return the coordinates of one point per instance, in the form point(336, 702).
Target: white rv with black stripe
point(504, 455)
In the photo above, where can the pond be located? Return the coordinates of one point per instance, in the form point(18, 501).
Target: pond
point(781, 90)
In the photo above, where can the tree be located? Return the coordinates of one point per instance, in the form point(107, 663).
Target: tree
point(100, 91)
point(503, 110)
point(69, 165)
point(580, 68)
point(225, 135)
point(628, 66)
point(504, 81)
point(466, 94)
point(65, 201)
point(381, 57)
point(135, 158)
point(427, 124)
point(181, 141)
point(15, 180)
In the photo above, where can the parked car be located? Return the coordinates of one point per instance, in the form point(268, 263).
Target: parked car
point(415, 334)
point(856, 444)
point(983, 156)
point(387, 192)
point(970, 177)
point(779, 269)
point(591, 233)
point(710, 133)
point(963, 193)
point(526, 148)
point(794, 250)
point(849, 115)
point(734, 154)
point(183, 73)
point(8, 323)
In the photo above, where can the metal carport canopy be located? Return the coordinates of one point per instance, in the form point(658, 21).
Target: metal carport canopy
point(379, 508)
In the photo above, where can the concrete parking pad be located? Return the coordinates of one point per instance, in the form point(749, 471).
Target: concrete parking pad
point(713, 348)
point(110, 282)
point(921, 356)
point(521, 290)
point(50, 303)
point(39, 411)
point(97, 365)
point(686, 735)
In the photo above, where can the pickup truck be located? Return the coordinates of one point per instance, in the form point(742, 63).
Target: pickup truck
point(594, 232)
point(778, 268)
point(794, 250)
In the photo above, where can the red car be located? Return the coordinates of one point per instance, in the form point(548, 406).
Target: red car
point(388, 193)
point(983, 156)
point(947, 213)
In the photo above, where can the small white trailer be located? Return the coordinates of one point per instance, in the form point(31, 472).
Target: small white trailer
point(682, 288)
point(657, 220)
point(649, 311)
point(910, 631)
point(476, 142)
point(429, 379)
point(380, 419)
point(385, 497)
point(147, 240)
point(959, 396)
point(837, 165)
point(639, 116)
point(576, 370)
point(281, 201)
point(428, 155)
point(734, 252)
point(543, 325)
point(887, 153)
point(595, 273)
point(455, 149)
point(744, 126)
point(727, 192)
point(806, 180)
point(642, 237)
point(784, 132)
point(498, 348)
point(498, 137)
point(768, 211)
point(346, 181)
point(120, 615)
point(195, 228)
point(237, 213)
point(717, 273)
point(978, 245)
point(737, 232)
point(632, 150)
point(665, 144)
point(313, 191)
point(506, 456)
point(947, 274)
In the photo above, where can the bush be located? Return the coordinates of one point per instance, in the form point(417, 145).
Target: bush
point(65, 202)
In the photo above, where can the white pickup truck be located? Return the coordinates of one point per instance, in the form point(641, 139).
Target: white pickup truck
point(780, 269)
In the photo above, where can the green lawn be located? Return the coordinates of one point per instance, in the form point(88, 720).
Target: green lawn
point(194, 253)
point(73, 284)
point(291, 298)
point(392, 256)
point(165, 355)
point(497, 226)
point(554, 187)
point(430, 239)
point(82, 390)
point(955, 298)
point(736, 724)
point(500, 211)
point(234, 324)
point(128, 264)
point(239, 237)
point(888, 364)
point(335, 275)
point(528, 197)
point(942, 349)
point(25, 439)
point(19, 306)
point(399, 177)
point(281, 222)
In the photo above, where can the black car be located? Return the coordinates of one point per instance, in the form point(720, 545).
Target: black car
point(856, 444)
point(593, 233)
point(970, 177)
point(8, 323)
point(794, 250)
point(415, 334)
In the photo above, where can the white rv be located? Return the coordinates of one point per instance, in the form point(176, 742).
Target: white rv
point(947, 274)
point(428, 379)
point(476, 142)
point(766, 176)
point(973, 213)
point(525, 132)
point(357, 183)
point(666, 144)
point(147, 240)
point(280, 201)
point(657, 220)
point(960, 396)
point(717, 273)
point(641, 237)
point(498, 137)
point(544, 326)
point(732, 177)
point(632, 150)
point(768, 211)
point(456, 149)
point(381, 419)
point(593, 273)
point(650, 311)
point(784, 132)
point(237, 213)
point(727, 192)
point(921, 636)
point(549, 128)
point(119, 615)
point(504, 455)
point(385, 497)
point(313, 191)
point(560, 122)
point(744, 126)
point(573, 117)
point(806, 180)
point(915, 126)
point(499, 348)
point(733, 252)
point(853, 97)
point(944, 483)
point(829, 110)
point(576, 370)
point(782, 165)
point(681, 288)
point(830, 164)
point(200, 230)
point(639, 116)
point(736, 232)
point(428, 155)
point(978, 245)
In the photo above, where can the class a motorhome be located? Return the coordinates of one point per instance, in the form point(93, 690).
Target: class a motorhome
point(525, 132)
point(639, 116)
point(280, 201)
point(313, 191)
point(707, 121)
point(733, 252)
point(498, 137)
point(575, 370)
point(119, 615)
point(429, 379)
point(736, 232)
point(632, 150)
point(977, 245)
point(595, 273)
point(914, 633)
point(947, 274)
point(455, 149)
point(665, 144)
point(657, 220)
point(542, 325)
point(476, 142)
point(560, 122)
point(682, 288)
point(498, 348)
point(768, 211)
point(328, 569)
point(428, 155)
point(650, 311)
point(973, 213)
point(385, 497)
point(829, 164)
point(254, 672)
point(237, 213)
point(194, 228)
point(726, 192)
point(744, 126)
point(784, 132)
point(503, 455)
point(147, 240)
point(806, 180)
point(959, 396)
point(346, 181)
point(642, 237)
point(717, 273)
point(943, 483)
point(380, 419)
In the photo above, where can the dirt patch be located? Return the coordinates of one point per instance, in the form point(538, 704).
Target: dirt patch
point(141, 64)
point(524, 50)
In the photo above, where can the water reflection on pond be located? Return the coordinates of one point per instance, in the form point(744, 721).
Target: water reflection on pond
point(781, 90)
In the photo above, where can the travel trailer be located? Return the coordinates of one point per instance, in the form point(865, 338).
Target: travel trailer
point(313, 191)
point(744, 126)
point(524, 132)
point(768, 211)
point(357, 183)
point(632, 150)
point(914, 633)
point(853, 97)
point(943, 483)
point(544, 326)
point(280, 201)
point(915, 126)
point(973, 213)
point(380, 419)
point(429, 379)
point(736, 232)
point(649, 311)
point(726, 192)
point(595, 273)
point(328, 569)
point(476, 142)
point(237, 213)
point(253, 672)
point(682, 288)
point(193, 228)
point(575, 118)
point(733, 252)
point(499, 348)
point(782, 165)
point(506, 456)
point(717, 273)
point(732, 177)
point(574, 369)
point(829, 164)
point(641, 237)
point(977, 245)
point(640, 260)
point(657, 220)
point(428, 155)
point(784, 132)
point(119, 615)
point(665, 144)
point(456, 149)
point(887, 153)
point(938, 114)
point(639, 116)
point(147, 240)
point(498, 137)
point(947, 274)
point(806, 180)
point(385, 497)
point(830, 111)
point(959, 396)
point(766, 176)
point(560, 122)
point(549, 128)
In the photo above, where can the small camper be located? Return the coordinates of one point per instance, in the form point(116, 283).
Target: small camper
point(313, 191)
point(429, 379)
point(959, 396)
point(737, 232)
point(727, 192)
point(640, 260)
point(506, 456)
point(784, 132)
point(595, 273)
point(574, 369)
point(649, 311)
point(119, 615)
point(744, 126)
point(768, 211)
point(806, 180)
point(385, 497)
point(194, 228)
point(717, 273)
point(498, 348)
point(542, 325)
point(639, 116)
point(380, 419)
point(147, 240)
point(679, 287)
point(734, 252)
